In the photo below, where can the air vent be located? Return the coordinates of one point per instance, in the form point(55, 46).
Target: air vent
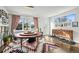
point(30, 6)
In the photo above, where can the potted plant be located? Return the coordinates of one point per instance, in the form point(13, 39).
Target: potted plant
point(7, 39)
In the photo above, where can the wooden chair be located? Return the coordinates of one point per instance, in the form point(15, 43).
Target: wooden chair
point(31, 46)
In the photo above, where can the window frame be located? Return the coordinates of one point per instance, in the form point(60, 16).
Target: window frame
point(24, 19)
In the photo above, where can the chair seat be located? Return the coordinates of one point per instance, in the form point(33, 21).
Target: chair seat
point(47, 46)
point(31, 46)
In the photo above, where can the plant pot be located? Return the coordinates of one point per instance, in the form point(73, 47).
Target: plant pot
point(8, 41)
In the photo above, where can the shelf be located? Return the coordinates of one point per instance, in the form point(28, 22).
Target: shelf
point(4, 25)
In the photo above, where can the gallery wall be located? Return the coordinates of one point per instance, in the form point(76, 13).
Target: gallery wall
point(75, 29)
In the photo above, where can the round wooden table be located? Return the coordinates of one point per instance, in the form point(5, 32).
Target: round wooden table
point(22, 36)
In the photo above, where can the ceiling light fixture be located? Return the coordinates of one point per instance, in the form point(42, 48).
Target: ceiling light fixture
point(30, 6)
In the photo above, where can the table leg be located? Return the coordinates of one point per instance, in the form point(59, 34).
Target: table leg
point(21, 44)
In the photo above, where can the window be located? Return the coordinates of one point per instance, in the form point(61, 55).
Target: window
point(71, 17)
point(26, 23)
point(19, 27)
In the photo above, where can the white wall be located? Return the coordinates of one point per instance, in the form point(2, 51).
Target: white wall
point(75, 29)
point(43, 23)
point(52, 24)
point(10, 19)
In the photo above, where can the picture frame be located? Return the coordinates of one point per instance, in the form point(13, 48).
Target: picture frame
point(4, 21)
point(65, 24)
point(74, 24)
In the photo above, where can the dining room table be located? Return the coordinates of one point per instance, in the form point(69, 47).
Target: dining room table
point(22, 36)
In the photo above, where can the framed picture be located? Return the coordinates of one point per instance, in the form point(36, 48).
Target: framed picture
point(74, 24)
point(4, 21)
point(65, 24)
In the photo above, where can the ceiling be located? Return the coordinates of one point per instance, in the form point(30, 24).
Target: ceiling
point(44, 11)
